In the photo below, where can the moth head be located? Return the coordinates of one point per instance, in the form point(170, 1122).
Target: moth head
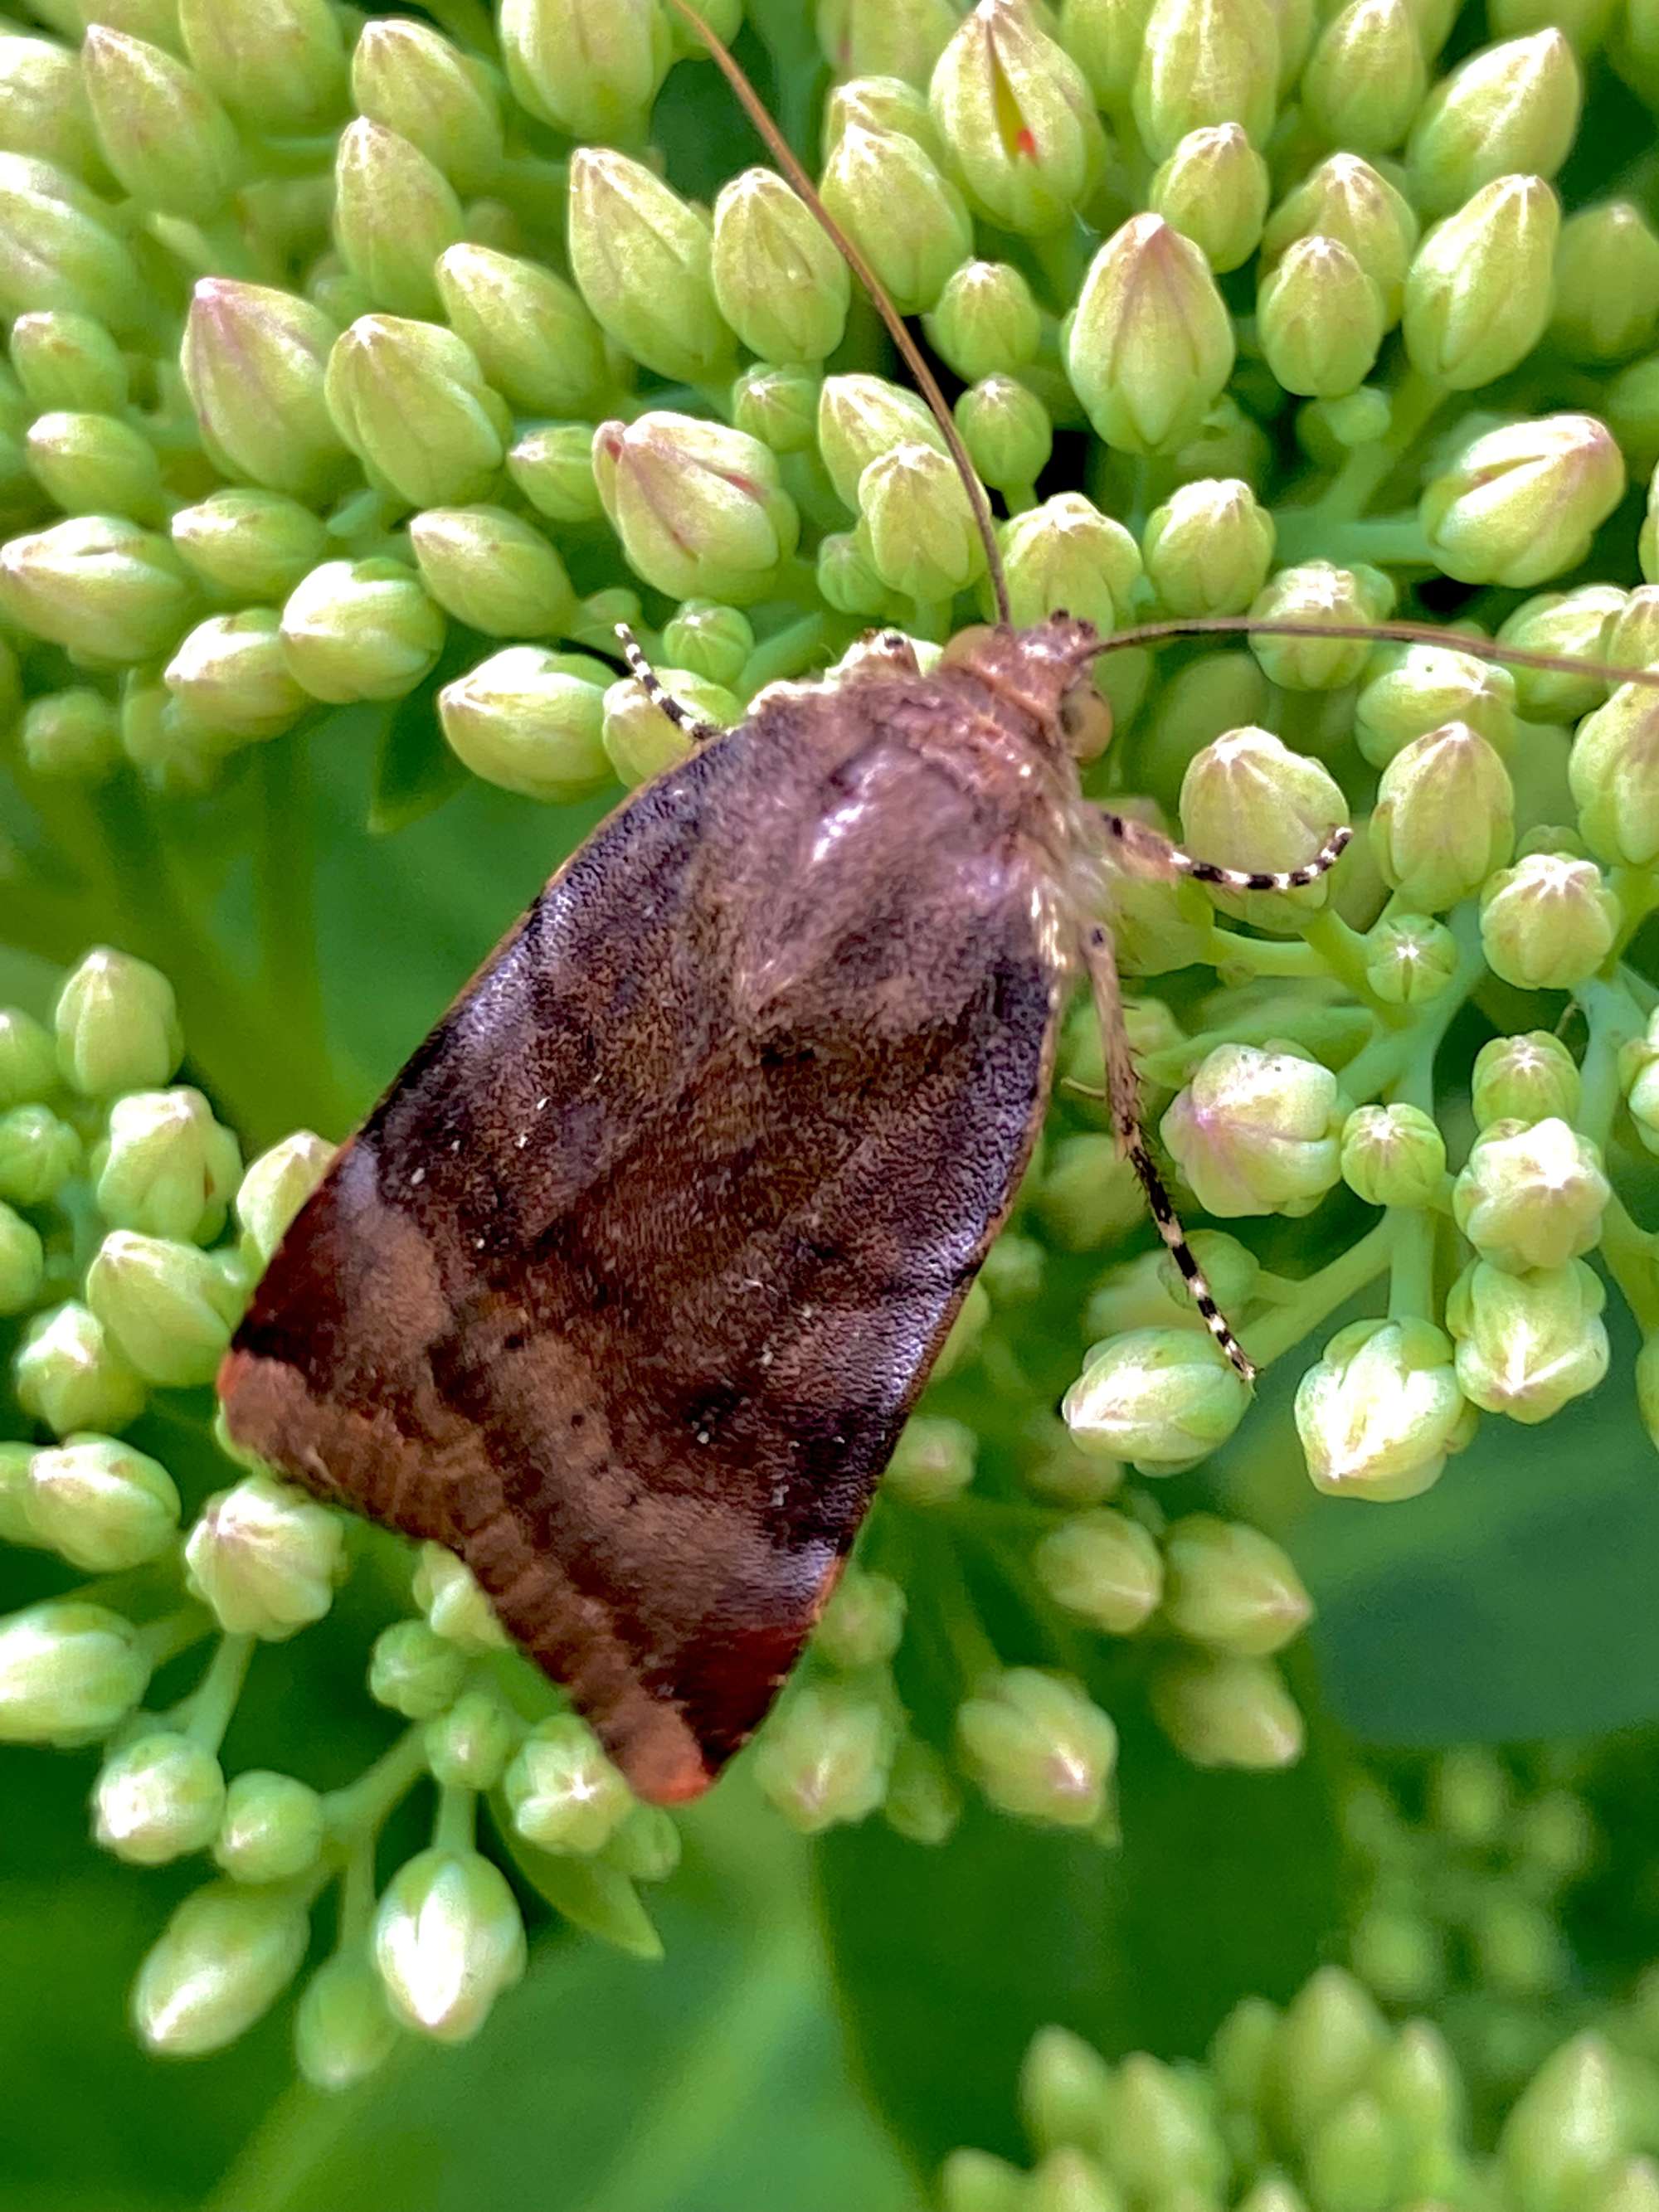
point(1047, 670)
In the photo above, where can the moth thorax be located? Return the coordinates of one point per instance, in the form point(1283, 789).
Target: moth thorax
point(1045, 673)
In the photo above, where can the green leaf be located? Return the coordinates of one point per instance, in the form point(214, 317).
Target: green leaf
point(593, 1897)
point(414, 771)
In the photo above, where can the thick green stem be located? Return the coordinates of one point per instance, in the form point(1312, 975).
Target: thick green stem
point(1321, 1294)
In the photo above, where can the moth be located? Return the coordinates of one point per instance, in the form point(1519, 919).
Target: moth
point(624, 1289)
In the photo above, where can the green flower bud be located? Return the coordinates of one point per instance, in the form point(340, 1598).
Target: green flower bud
point(253, 360)
point(778, 280)
point(22, 1262)
point(532, 335)
point(101, 1505)
point(923, 1803)
point(59, 247)
point(1524, 1078)
point(638, 739)
point(1631, 405)
point(99, 585)
point(492, 572)
point(250, 545)
point(986, 321)
point(589, 67)
point(1531, 1195)
point(1567, 623)
point(157, 1798)
point(1393, 1155)
point(1161, 2134)
point(1524, 503)
point(910, 222)
point(1007, 432)
point(37, 1154)
point(641, 257)
point(272, 1829)
point(1480, 287)
point(1161, 1398)
point(394, 213)
point(700, 509)
point(778, 405)
point(1038, 1748)
point(170, 1308)
point(976, 2181)
point(1421, 688)
point(1584, 22)
point(468, 1746)
point(1310, 593)
point(162, 132)
point(847, 581)
point(1528, 1343)
point(1321, 320)
point(1444, 817)
point(274, 1189)
point(531, 721)
point(879, 103)
point(1150, 345)
point(1104, 1567)
point(884, 37)
point(28, 1059)
point(932, 1462)
point(411, 401)
point(863, 1624)
point(860, 417)
point(1065, 2092)
point(553, 468)
point(1089, 1194)
point(342, 2030)
point(409, 80)
point(1548, 922)
point(1346, 199)
point(824, 1759)
point(231, 679)
point(70, 1373)
point(69, 1673)
point(1232, 1587)
point(414, 1671)
point(1213, 188)
point(1330, 2041)
point(1017, 120)
point(94, 464)
point(1366, 77)
point(1203, 63)
point(43, 104)
point(1508, 108)
point(1257, 1132)
point(360, 630)
point(1208, 548)
point(447, 1592)
point(283, 65)
point(1252, 804)
point(1105, 38)
point(1633, 634)
point(1381, 1410)
point(265, 1558)
point(712, 640)
point(1067, 554)
point(918, 524)
point(223, 1960)
point(1566, 2128)
point(1611, 771)
point(1228, 1711)
point(1607, 283)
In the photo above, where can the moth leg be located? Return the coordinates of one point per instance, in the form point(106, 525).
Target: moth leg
point(694, 726)
point(1153, 853)
point(1123, 1096)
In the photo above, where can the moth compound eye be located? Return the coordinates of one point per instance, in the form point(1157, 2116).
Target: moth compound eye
point(1086, 719)
point(962, 647)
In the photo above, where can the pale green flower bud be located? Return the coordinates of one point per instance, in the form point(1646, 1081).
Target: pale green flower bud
point(97, 585)
point(1531, 1078)
point(1566, 2128)
point(59, 247)
point(273, 1190)
point(1480, 287)
point(409, 79)
point(879, 103)
point(157, 1798)
point(265, 1558)
point(591, 68)
point(530, 331)
point(1104, 1567)
point(531, 721)
point(1230, 1587)
point(911, 223)
point(777, 405)
point(411, 401)
point(1257, 1132)
point(986, 321)
point(43, 104)
point(1444, 817)
point(711, 639)
point(1150, 346)
point(1105, 38)
point(170, 1308)
point(1228, 1711)
point(1250, 803)
point(700, 509)
point(1508, 108)
point(641, 257)
point(1007, 432)
point(101, 1505)
point(825, 1760)
point(1067, 554)
point(1208, 548)
point(1421, 688)
point(916, 521)
point(69, 1673)
point(1548, 922)
point(923, 1803)
point(16, 1526)
point(1214, 189)
point(565, 1794)
point(884, 37)
point(1065, 2092)
point(343, 2028)
point(860, 417)
point(1607, 283)
point(1631, 405)
point(1345, 198)
point(1393, 1155)
point(94, 464)
point(394, 213)
point(272, 1829)
point(863, 1624)
point(1523, 502)
point(1310, 593)
point(254, 362)
point(29, 1059)
point(231, 679)
point(978, 2181)
point(22, 1262)
point(638, 739)
point(448, 1592)
point(250, 544)
point(163, 134)
point(1526, 1344)
point(1532, 1194)
point(1017, 119)
point(73, 735)
point(1201, 63)
point(1584, 22)
point(1612, 773)
point(360, 630)
point(1161, 1398)
point(847, 581)
point(281, 65)
point(1638, 1073)
point(491, 571)
point(1633, 635)
point(1381, 1410)
point(1321, 320)
point(932, 1462)
point(414, 1671)
point(468, 1746)
point(1567, 623)
point(1366, 77)
point(1038, 1748)
point(553, 468)
point(37, 1154)
point(779, 281)
point(223, 1960)
point(70, 1373)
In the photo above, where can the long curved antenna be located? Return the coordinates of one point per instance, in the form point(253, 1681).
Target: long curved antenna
point(914, 358)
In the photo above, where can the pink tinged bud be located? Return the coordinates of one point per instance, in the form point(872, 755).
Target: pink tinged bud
point(253, 362)
point(1531, 1195)
point(265, 1558)
point(1038, 1748)
point(162, 132)
point(1150, 345)
point(1524, 503)
point(411, 401)
point(1017, 118)
point(394, 213)
point(1444, 817)
point(1549, 923)
point(1526, 1344)
point(700, 509)
point(1381, 1410)
point(1524, 1078)
point(912, 222)
point(1257, 1132)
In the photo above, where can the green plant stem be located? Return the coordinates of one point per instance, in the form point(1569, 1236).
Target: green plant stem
point(1414, 402)
point(207, 1712)
point(1386, 1058)
point(360, 1807)
point(1321, 1294)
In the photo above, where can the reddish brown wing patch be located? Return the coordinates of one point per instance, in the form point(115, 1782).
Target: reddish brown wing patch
point(625, 1289)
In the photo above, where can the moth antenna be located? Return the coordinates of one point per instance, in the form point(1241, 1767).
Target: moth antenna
point(914, 358)
point(1388, 633)
point(691, 724)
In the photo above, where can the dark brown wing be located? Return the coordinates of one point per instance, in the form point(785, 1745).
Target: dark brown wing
point(625, 1288)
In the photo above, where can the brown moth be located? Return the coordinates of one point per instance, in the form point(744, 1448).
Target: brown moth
point(625, 1289)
